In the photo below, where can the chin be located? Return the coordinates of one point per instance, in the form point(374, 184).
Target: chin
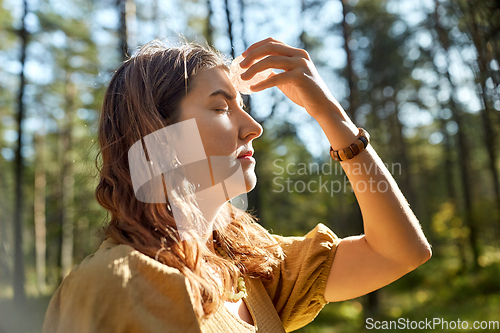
point(250, 182)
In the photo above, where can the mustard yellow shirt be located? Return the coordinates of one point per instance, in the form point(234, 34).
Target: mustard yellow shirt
point(121, 290)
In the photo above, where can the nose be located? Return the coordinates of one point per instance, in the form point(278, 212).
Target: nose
point(250, 129)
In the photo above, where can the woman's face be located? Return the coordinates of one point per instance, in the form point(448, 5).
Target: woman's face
point(225, 128)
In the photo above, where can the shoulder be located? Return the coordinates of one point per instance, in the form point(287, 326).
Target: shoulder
point(121, 264)
point(320, 235)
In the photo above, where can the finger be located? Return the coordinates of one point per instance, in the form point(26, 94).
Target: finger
point(271, 48)
point(278, 62)
point(273, 80)
point(257, 44)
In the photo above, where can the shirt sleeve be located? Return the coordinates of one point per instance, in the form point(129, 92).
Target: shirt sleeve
point(298, 286)
point(120, 290)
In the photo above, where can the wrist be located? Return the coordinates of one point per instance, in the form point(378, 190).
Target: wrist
point(353, 150)
point(331, 111)
point(340, 131)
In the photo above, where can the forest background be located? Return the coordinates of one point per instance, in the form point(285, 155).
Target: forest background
point(421, 76)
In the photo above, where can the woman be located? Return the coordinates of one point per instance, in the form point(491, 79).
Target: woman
point(146, 278)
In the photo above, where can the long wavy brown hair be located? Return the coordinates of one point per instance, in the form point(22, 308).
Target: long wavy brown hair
point(144, 95)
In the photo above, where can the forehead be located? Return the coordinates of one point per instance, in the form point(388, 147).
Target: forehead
point(216, 79)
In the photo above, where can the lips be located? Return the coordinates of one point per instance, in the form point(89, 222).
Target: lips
point(248, 153)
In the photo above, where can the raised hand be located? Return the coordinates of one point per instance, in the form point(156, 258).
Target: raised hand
point(300, 80)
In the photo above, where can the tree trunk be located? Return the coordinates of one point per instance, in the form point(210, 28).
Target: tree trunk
point(5, 229)
point(449, 167)
point(209, 29)
point(229, 28)
point(401, 151)
point(68, 217)
point(372, 304)
point(449, 163)
point(131, 23)
point(464, 158)
point(491, 142)
point(39, 211)
point(480, 35)
point(19, 278)
point(351, 76)
point(489, 123)
point(121, 6)
point(463, 149)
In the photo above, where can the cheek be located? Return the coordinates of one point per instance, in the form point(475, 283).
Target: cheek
point(219, 136)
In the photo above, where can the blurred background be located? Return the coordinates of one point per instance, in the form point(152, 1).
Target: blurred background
point(421, 76)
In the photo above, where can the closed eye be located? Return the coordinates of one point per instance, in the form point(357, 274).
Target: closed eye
point(224, 110)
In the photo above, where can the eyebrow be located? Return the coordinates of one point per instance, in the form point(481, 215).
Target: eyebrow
point(226, 95)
